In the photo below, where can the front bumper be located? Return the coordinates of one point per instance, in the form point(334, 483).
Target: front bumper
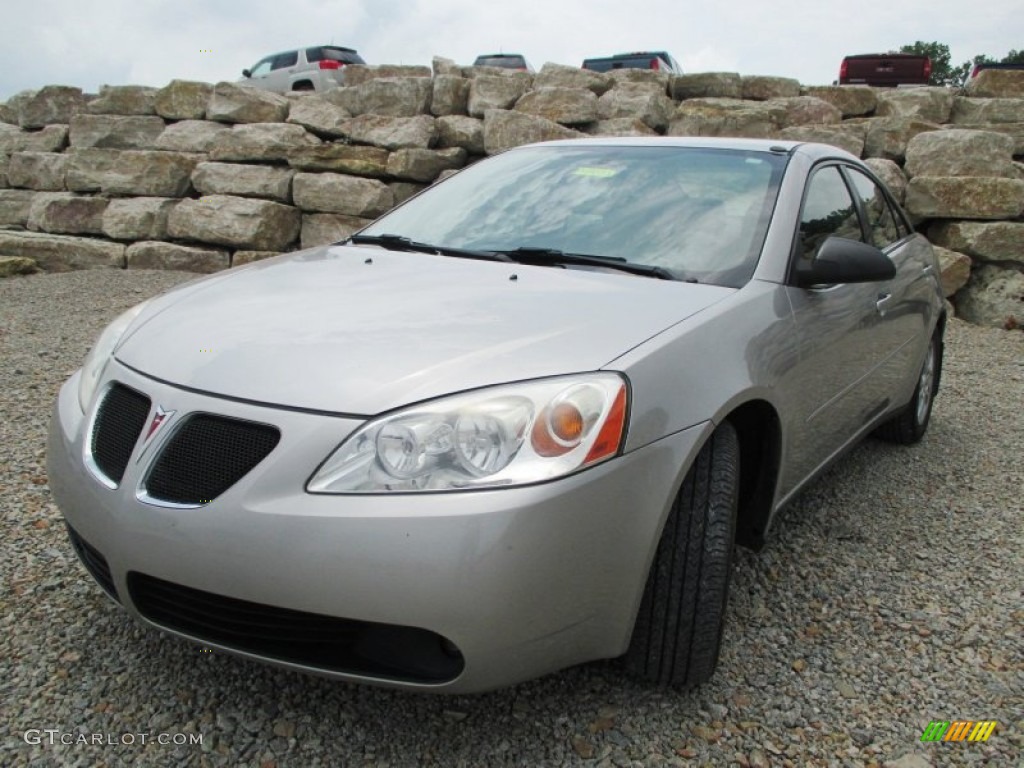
point(521, 581)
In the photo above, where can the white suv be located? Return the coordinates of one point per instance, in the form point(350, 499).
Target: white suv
point(306, 69)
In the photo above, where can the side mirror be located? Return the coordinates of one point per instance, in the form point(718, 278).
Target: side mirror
point(840, 260)
point(246, 73)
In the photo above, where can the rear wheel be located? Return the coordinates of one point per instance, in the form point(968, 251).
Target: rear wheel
point(304, 85)
point(909, 425)
point(678, 629)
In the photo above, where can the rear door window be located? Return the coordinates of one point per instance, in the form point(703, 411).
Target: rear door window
point(283, 60)
point(881, 221)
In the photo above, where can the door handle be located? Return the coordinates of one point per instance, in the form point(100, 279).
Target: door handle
point(882, 303)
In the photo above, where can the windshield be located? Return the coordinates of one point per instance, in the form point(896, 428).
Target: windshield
point(699, 213)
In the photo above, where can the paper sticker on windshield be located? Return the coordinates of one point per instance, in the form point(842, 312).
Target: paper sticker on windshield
point(597, 173)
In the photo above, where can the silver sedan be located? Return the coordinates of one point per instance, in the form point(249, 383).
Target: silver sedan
point(516, 424)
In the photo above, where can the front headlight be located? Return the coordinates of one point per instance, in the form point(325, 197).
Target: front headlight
point(503, 436)
point(101, 351)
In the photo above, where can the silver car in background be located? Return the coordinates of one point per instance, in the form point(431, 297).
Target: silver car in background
point(516, 424)
point(318, 68)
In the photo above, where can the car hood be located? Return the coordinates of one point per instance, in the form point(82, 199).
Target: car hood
point(359, 331)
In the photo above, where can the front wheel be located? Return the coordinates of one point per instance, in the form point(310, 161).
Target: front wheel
point(678, 628)
point(909, 425)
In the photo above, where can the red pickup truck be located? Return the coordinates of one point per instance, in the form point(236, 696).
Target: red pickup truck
point(886, 70)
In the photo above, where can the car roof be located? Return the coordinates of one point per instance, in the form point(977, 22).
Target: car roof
point(815, 151)
point(887, 56)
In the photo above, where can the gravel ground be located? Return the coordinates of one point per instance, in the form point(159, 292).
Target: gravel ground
point(890, 595)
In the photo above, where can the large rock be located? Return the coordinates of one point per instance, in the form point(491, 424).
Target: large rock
point(230, 103)
point(319, 115)
point(764, 87)
point(43, 171)
point(965, 197)
point(391, 96)
point(504, 129)
point(1015, 132)
point(960, 153)
point(240, 222)
point(326, 228)
point(50, 105)
point(353, 159)
point(888, 136)
point(891, 175)
point(461, 131)
point(392, 132)
point(806, 110)
point(850, 138)
point(243, 180)
point(10, 110)
point(652, 79)
point(851, 100)
point(993, 297)
point(954, 270)
point(14, 207)
point(150, 173)
point(137, 218)
point(187, 258)
point(620, 126)
point(562, 76)
point(190, 136)
point(124, 100)
point(424, 164)
point(115, 131)
point(932, 105)
point(52, 138)
point(88, 168)
point(357, 74)
point(442, 66)
point(62, 253)
point(16, 265)
point(968, 110)
point(261, 142)
point(568, 106)
point(403, 190)
point(241, 258)
point(450, 96)
point(1001, 241)
point(997, 83)
point(67, 213)
point(726, 117)
point(183, 100)
point(653, 109)
point(703, 85)
point(334, 193)
point(494, 92)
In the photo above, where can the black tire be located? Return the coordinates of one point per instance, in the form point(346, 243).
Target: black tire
point(678, 628)
point(304, 85)
point(909, 425)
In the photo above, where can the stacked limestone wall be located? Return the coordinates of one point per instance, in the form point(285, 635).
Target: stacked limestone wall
point(203, 177)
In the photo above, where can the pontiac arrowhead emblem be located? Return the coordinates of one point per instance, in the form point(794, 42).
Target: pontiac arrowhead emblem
point(158, 420)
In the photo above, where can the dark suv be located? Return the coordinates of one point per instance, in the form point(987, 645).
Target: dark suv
point(503, 60)
point(306, 69)
point(659, 60)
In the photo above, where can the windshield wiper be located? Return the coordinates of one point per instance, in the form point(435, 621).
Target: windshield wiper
point(533, 255)
point(400, 243)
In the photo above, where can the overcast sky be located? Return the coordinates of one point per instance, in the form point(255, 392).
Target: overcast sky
point(87, 43)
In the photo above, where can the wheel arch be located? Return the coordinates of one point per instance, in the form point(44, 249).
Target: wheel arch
point(759, 429)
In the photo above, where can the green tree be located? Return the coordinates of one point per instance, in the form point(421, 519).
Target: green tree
point(1013, 57)
point(943, 72)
